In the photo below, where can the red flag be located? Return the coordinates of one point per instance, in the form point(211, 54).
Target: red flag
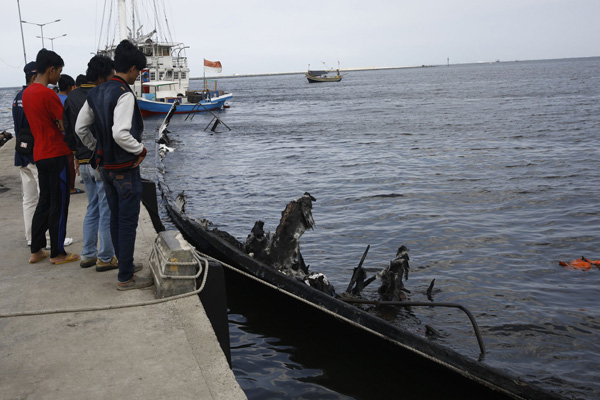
point(213, 66)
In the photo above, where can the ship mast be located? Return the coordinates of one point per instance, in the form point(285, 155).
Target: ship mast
point(122, 20)
point(133, 32)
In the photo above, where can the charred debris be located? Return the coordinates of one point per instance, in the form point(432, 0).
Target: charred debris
point(281, 251)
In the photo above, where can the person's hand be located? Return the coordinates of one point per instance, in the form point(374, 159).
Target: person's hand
point(77, 167)
point(139, 160)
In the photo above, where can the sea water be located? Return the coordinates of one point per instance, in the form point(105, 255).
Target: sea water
point(488, 173)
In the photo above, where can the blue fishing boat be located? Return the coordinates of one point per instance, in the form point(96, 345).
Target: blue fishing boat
point(149, 107)
point(158, 97)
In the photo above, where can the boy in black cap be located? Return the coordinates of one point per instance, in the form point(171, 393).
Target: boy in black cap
point(24, 154)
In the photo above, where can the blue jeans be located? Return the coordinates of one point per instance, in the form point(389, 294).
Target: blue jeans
point(96, 223)
point(124, 194)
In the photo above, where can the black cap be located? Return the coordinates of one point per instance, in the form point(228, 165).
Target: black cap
point(30, 68)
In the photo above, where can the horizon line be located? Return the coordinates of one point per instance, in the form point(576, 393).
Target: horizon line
point(375, 68)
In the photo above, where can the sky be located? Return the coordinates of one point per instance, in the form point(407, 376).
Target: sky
point(266, 36)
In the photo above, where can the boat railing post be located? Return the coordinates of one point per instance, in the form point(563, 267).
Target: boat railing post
point(426, 304)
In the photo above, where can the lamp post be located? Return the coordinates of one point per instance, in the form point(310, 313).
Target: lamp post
point(51, 39)
point(22, 36)
point(41, 27)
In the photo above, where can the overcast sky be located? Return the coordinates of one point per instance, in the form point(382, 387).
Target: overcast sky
point(252, 36)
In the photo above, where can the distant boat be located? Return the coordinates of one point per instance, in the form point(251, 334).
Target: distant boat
point(315, 76)
point(166, 78)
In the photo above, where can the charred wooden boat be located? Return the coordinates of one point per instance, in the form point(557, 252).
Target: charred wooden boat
point(464, 377)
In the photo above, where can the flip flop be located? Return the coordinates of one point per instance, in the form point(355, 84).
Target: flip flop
point(77, 191)
point(70, 258)
point(44, 255)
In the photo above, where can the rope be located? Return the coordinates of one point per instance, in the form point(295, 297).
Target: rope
point(114, 306)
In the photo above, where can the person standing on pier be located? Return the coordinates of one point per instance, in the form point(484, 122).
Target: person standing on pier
point(44, 112)
point(66, 84)
point(24, 154)
point(96, 223)
point(113, 111)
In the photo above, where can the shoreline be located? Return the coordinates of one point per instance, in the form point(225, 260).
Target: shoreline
point(260, 74)
point(366, 69)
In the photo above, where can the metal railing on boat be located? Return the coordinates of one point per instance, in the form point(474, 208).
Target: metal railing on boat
point(425, 304)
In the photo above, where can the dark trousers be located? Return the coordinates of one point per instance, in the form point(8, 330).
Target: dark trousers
point(71, 171)
point(53, 206)
point(124, 194)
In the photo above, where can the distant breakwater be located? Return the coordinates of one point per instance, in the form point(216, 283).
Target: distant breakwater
point(303, 72)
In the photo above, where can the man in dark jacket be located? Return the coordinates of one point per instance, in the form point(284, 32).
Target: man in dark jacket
point(96, 224)
point(112, 110)
point(24, 156)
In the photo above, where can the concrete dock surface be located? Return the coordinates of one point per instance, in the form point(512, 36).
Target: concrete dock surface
point(162, 351)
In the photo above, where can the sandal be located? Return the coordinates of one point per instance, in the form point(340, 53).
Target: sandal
point(42, 257)
point(70, 258)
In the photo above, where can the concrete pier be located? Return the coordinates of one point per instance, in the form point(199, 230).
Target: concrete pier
point(162, 351)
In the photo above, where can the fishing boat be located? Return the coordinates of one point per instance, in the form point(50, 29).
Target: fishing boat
point(352, 326)
point(321, 76)
point(315, 76)
point(167, 76)
point(158, 97)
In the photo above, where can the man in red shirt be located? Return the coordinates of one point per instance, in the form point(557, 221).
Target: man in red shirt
point(44, 112)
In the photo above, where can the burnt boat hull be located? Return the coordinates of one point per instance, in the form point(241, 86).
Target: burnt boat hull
point(496, 382)
point(351, 360)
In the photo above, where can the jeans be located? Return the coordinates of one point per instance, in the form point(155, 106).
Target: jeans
point(29, 181)
point(124, 194)
point(96, 224)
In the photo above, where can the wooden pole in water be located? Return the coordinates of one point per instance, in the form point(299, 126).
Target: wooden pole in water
point(355, 274)
point(214, 128)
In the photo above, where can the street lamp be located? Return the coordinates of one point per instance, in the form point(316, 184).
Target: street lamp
point(22, 36)
point(41, 27)
point(52, 39)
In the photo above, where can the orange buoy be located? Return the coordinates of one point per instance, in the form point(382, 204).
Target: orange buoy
point(581, 263)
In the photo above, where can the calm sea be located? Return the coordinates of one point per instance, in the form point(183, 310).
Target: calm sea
point(488, 173)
